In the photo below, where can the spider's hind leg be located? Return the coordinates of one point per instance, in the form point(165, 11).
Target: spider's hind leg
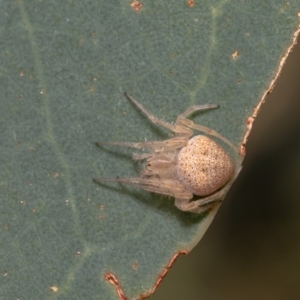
point(185, 205)
point(194, 108)
point(183, 121)
point(166, 187)
point(190, 124)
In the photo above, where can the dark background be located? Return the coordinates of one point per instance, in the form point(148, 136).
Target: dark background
point(252, 249)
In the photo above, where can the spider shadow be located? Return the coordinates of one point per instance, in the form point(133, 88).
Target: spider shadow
point(158, 132)
point(112, 150)
point(139, 196)
point(137, 164)
point(157, 203)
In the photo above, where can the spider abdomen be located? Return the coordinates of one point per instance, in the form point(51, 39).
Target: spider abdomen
point(203, 166)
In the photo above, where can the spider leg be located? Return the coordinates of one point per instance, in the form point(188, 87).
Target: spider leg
point(183, 205)
point(157, 121)
point(194, 108)
point(142, 156)
point(200, 205)
point(207, 130)
point(167, 186)
point(173, 143)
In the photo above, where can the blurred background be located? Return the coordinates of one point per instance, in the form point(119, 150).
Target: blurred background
point(252, 249)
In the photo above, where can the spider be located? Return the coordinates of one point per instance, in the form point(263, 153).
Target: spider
point(183, 166)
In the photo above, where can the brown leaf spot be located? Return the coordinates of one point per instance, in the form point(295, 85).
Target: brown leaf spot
point(235, 54)
point(55, 174)
point(243, 149)
point(250, 122)
point(54, 289)
point(92, 89)
point(191, 3)
point(135, 266)
point(136, 5)
point(163, 274)
point(113, 280)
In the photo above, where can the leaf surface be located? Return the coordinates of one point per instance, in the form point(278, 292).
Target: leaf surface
point(64, 69)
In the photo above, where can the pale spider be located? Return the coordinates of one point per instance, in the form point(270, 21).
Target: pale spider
point(183, 166)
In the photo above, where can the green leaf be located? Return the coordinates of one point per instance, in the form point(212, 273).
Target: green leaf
point(64, 69)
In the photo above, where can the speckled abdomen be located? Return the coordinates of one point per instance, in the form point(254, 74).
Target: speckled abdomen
point(203, 166)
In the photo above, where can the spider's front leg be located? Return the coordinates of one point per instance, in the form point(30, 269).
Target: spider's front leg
point(176, 129)
point(183, 121)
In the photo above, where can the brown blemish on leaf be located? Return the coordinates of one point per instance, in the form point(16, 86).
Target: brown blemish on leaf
point(270, 90)
point(54, 289)
point(243, 150)
point(271, 86)
point(55, 174)
point(135, 266)
point(21, 72)
point(235, 54)
point(101, 217)
point(250, 122)
point(136, 5)
point(92, 89)
point(163, 274)
point(113, 279)
point(249, 128)
point(191, 3)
